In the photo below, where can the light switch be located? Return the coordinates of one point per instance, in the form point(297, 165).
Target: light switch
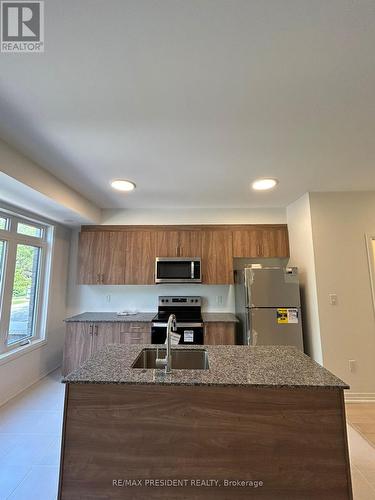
point(332, 299)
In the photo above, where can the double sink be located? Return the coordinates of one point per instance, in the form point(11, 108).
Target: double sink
point(182, 359)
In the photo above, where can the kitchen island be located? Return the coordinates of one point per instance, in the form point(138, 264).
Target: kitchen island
point(260, 422)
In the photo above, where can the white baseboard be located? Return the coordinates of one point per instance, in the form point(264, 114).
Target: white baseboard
point(35, 381)
point(359, 397)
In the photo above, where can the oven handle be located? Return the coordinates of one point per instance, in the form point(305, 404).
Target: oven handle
point(179, 325)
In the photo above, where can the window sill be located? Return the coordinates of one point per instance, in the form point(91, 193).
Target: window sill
point(6, 357)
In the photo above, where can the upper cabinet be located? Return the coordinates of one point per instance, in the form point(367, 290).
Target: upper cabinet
point(217, 257)
point(263, 241)
point(178, 243)
point(101, 258)
point(140, 258)
point(126, 255)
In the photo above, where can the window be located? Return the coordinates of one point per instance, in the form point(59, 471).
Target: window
point(24, 258)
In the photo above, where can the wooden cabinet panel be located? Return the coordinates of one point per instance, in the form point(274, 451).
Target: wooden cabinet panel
point(78, 342)
point(220, 333)
point(167, 243)
point(275, 242)
point(140, 258)
point(101, 258)
point(190, 244)
point(103, 334)
point(217, 257)
point(90, 257)
point(135, 333)
point(247, 243)
point(261, 242)
point(112, 267)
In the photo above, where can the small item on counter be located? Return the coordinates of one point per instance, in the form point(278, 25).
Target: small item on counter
point(127, 313)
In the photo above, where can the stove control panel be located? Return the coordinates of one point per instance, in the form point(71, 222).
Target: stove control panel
point(181, 301)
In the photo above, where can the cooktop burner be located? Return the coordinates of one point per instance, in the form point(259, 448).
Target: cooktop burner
point(186, 309)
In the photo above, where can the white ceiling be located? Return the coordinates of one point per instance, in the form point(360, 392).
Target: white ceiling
point(194, 99)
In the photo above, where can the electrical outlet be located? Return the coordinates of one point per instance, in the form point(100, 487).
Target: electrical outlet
point(332, 299)
point(352, 365)
point(108, 298)
point(219, 300)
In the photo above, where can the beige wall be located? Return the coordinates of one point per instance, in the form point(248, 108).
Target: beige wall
point(302, 256)
point(339, 224)
point(17, 374)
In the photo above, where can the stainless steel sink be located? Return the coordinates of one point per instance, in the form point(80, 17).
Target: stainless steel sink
point(182, 359)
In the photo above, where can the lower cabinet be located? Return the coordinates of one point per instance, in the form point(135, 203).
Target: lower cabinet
point(83, 339)
point(220, 333)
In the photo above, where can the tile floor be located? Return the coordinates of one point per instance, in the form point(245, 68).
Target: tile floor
point(30, 437)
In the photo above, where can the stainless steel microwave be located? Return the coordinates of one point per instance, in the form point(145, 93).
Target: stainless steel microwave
point(178, 270)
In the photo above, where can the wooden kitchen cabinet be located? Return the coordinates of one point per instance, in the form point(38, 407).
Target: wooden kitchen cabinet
point(78, 343)
point(264, 242)
point(83, 339)
point(217, 257)
point(127, 255)
point(178, 243)
point(140, 258)
point(101, 258)
point(220, 333)
point(190, 244)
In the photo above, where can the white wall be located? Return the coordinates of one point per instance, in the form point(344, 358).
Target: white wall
point(17, 374)
point(196, 216)
point(339, 224)
point(302, 256)
point(29, 174)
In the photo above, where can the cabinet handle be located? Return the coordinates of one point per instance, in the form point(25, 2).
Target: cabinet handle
point(98, 278)
point(135, 328)
point(90, 329)
point(102, 278)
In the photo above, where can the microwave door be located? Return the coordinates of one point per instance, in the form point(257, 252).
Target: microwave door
point(177, 270)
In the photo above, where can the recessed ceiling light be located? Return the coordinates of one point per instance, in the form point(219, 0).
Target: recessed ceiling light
point(123, 185)
point(264, 184)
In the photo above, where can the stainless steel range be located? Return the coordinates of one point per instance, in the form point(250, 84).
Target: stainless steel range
point(189, 319)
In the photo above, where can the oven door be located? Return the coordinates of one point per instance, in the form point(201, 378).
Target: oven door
point(178, 270)
point(191, 333)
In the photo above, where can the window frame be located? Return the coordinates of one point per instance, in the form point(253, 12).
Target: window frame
point(12, 238)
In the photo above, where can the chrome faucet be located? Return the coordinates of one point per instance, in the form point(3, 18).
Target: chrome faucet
point(167, 361)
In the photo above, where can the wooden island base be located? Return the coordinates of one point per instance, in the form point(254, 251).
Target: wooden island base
point(293, 440)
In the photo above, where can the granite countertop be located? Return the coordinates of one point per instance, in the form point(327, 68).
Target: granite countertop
point(263, 366)
point(219, 317)
point(112, 317)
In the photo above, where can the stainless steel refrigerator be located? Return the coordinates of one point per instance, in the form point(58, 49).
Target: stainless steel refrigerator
point(268, 306)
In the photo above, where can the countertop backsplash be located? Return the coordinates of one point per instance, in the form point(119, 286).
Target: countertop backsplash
point(216, 298)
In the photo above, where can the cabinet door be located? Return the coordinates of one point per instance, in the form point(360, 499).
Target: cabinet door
point(167, 243)
point(90, 247)
point(140, 258)
point(113, 251)
point(103, 334)
point(190, 244)
point(275, 242)
point(220, 333)
point(217, 257)
point(247, 243)
point(135, 333)
point(78, 342)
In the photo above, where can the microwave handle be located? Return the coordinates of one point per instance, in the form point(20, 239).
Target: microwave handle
point(192, 269)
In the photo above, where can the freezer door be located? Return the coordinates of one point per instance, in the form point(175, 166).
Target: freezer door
point(272, 287)
point(269, 327)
